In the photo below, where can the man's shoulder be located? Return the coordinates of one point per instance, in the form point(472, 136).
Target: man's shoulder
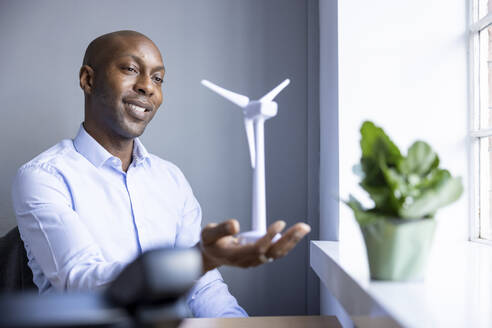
point(56, 156)
point(156, 160)
point(166, 166)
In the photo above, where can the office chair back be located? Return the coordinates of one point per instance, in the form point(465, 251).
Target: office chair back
point(15, 274)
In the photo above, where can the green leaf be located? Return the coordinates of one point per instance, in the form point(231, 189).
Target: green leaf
point(442, 192)
point(397, 186)
point(420, 159)
point(363, 216)
point(373, 176)
point(396, 182)
point(432, 179)
point(381, 198)
point(375, 144)
point(378, 152)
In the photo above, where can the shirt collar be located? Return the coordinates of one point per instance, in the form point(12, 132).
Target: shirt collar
point(139, 151)
point(88, 147)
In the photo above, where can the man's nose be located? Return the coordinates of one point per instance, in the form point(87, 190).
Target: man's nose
point(144, 86)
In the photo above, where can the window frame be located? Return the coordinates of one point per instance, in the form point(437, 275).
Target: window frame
point(479, 103)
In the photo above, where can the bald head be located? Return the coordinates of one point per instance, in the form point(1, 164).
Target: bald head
point(104, 47)
point(121, 77)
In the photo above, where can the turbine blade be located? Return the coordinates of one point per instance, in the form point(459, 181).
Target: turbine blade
point(236, 98)
point(272, 94)
point(248, 125)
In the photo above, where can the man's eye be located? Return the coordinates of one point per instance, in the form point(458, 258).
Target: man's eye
point(131, 69)
point(158, 79)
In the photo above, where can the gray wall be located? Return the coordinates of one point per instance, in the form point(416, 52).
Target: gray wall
point(247, 46)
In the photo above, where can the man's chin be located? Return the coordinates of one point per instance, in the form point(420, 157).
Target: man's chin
point(132, 132)
point(135, 134)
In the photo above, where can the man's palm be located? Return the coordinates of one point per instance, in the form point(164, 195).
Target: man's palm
point(220, 247)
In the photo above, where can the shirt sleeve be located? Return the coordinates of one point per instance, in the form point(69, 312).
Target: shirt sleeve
point(54, 235)
point(210, 296)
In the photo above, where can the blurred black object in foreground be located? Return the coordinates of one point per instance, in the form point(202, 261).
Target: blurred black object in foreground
point(149, 291)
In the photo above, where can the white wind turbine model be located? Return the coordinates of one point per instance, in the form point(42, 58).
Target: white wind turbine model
point(256, 112)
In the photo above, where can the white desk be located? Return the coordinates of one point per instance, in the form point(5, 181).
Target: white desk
point(457, 290)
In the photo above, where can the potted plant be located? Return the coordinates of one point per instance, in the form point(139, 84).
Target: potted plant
point(407, 191)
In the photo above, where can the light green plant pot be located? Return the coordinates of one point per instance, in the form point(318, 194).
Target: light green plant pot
point(398, 249)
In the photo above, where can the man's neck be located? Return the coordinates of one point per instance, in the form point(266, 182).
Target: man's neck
point(118, 147)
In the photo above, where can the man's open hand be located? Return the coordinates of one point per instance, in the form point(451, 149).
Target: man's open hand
point(219, 246)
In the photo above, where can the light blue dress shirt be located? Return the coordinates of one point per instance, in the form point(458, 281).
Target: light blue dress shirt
point(82, 219)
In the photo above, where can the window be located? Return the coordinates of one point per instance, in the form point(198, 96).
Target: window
point(481, 118)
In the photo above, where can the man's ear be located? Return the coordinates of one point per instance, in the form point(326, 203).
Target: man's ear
point(86, 77)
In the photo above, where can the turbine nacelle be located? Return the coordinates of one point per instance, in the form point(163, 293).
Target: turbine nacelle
point(257, 109)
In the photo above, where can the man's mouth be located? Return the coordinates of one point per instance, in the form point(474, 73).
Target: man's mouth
point(138, 110)
point(139, 106)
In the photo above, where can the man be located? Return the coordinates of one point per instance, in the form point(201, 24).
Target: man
point(88, 206)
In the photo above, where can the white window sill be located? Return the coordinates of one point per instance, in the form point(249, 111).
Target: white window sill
point(457, 290)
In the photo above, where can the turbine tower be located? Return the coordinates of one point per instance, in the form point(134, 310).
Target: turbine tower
point(255, 112)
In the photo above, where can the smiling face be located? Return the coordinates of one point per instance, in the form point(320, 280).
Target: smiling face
point(122, 79)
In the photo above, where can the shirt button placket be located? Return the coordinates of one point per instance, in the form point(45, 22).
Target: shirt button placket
point(134, 203)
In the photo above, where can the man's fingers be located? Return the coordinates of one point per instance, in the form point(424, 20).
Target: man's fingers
point(213, 231)
point(289, 240)
point(225, 251)
point(264, 243)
